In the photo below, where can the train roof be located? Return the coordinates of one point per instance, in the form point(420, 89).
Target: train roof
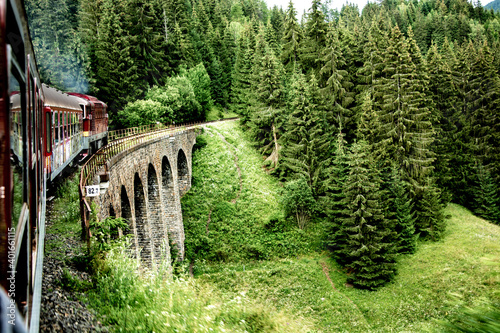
point(57, 99)
point(89, 98)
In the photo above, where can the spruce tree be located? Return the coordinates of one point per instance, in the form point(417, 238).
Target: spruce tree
point(292, 37)
point(147, 44)
point(314, 40)
point(241, 94)
point(400, 208)
point(369, 249)
point(333, 203)
point(267, 118)
point(442, 94)
point(406, 131)
point(115, 70)
point(306, 140)
point(335, 83)
point(487, 198)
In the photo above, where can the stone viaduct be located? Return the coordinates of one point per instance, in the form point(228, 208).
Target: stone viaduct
point(146, 183)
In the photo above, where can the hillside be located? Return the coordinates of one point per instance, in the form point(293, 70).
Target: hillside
point(495, 4)
point(463, 269)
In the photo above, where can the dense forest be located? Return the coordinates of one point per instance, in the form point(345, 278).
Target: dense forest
point(374, 120)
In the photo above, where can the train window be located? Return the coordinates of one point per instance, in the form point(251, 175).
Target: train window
point(17, 144)
point(48, 132)
point(33, 119)
point(56, 127)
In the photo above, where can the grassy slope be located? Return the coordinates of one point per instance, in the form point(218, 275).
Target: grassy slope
point(238, 226)
point(462, 269)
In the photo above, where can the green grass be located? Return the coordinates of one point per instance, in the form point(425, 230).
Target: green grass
point(65, 215)
point(132, 299)
point(432, 285)
point(248, 227)
point(216, 113)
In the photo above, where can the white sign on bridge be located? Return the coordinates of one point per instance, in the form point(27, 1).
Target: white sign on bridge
point(92, 190)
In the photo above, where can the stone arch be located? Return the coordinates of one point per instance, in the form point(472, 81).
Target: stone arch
point(114, 231)
point(182, 172)
point(154, 210)
point(141, 220)
point(126, 210)
point(111, 211)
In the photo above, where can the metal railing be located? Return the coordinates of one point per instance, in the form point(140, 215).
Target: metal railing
point(126, 132)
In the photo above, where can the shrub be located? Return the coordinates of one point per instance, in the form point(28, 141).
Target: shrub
point(298, 201)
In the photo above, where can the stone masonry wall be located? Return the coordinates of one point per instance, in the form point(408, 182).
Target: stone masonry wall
point(145, 186)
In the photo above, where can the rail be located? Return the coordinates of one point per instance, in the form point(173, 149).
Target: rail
point(120, 141)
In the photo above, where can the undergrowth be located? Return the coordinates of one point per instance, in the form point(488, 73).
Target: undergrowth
point(133, 299)
point(221, 225)
point(442, 282)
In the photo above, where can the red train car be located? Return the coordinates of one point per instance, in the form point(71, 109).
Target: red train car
point(95, 122)
point(23, 148)
point(42, 131)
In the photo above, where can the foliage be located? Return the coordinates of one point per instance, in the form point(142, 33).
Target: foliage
point(482, 319)
point(422, 295)
point(367, 238)
point(139, 300)
point(199, 79)
point(222, 226)
point(103, 232)
point(298, 201)
point(178, 101)
point(143, 112)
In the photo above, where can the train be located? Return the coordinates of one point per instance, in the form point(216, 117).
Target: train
point(42, 132)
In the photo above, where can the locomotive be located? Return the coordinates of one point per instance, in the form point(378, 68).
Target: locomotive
point(42, 131)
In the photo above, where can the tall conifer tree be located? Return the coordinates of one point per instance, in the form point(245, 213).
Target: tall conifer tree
point(292, 37)
point(368, 250)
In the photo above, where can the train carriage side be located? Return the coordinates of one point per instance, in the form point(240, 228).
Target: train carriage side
point(63, 128)
point(22, 167)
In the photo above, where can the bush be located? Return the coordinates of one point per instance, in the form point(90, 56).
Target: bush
point(298, 201)
point(143, 112)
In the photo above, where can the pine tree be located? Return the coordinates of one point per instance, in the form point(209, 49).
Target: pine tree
point(306, 140)
point(336, 85)
point(314, 40)
point(406, 131)
point(292, 37)
point(227, 56)
point(369, 251)
point(147, 44)
point(442, 94)
point(487, 199)
point(267, 120)
point(400, 209)
point(405, 119)
point(58, 45)
point(429, 218)
point(115, 69)
point(333, 203)
point(241, 94)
